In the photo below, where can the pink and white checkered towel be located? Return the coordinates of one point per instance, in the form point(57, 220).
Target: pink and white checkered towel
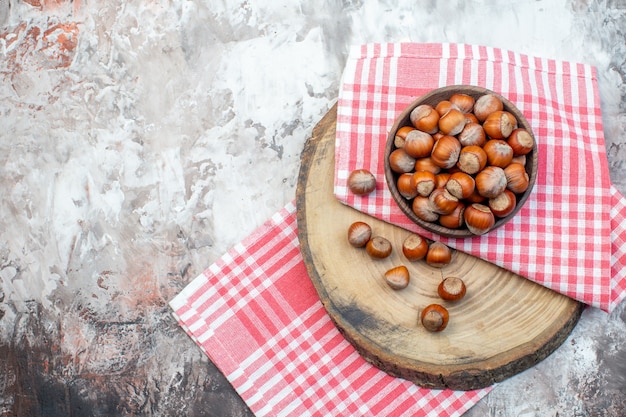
point(570, 236)
point(256, 314)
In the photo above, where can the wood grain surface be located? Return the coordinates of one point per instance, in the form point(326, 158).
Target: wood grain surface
point(504, 325)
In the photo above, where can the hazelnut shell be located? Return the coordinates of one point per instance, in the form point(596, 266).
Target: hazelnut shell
point(361, 181)
point(359, 233)
point(434, 317)
point(452, 289)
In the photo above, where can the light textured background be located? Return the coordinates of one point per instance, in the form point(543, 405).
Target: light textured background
point(140, 140)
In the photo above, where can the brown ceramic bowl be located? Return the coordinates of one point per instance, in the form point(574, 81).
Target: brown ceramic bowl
point(433, 98)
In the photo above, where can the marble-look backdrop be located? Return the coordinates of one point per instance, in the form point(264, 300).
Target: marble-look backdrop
point(141, 139)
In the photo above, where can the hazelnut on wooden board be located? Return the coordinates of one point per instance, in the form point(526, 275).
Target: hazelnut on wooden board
point(398, 277)
point(438, 255)
point(359, 233)
point(434, 317)
point(378, 247)
point(414, 247)
point(452, 289)
point(361, 181)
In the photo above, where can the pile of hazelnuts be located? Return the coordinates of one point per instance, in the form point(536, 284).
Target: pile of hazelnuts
point(462, 162)
point(433, 317)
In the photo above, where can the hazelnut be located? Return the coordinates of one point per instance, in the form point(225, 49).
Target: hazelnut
point(521, 141)
point(503, 204)
point(499, 153)
point(359, 233)
point(423, 182)
point(472, 159)
point(444, 106)
point(423, 209)
point(425, 118)
point(401, 136)
point(378, 247)
point(452, 122)
point(401, 162)
point(491, 181)
point(405, 188)
point(460, 185)
point(485, 105)
point(398, 277)
point(463, 102)
point(427, 164)
point(445, 153)
point(361, 181)
point(498, 125)
point(516, 178)
point(519, 159)
point(434, 317)
point(472, 134)
point(475, 197)
point(470, 118)
point(442, 201)
point(452, 289)
point(441, 179)
point(438, 255)
point(512, 119)
point(418, 144)
point(478, 218)
point(414, 247)
point(455, 219)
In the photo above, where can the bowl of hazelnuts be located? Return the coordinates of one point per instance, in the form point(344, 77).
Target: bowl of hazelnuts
point(461, 161)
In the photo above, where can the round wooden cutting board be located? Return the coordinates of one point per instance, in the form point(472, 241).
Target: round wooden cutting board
point(504, 325)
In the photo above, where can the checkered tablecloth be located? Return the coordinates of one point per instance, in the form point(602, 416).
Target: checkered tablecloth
point(256, 314)
point(569, 235)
